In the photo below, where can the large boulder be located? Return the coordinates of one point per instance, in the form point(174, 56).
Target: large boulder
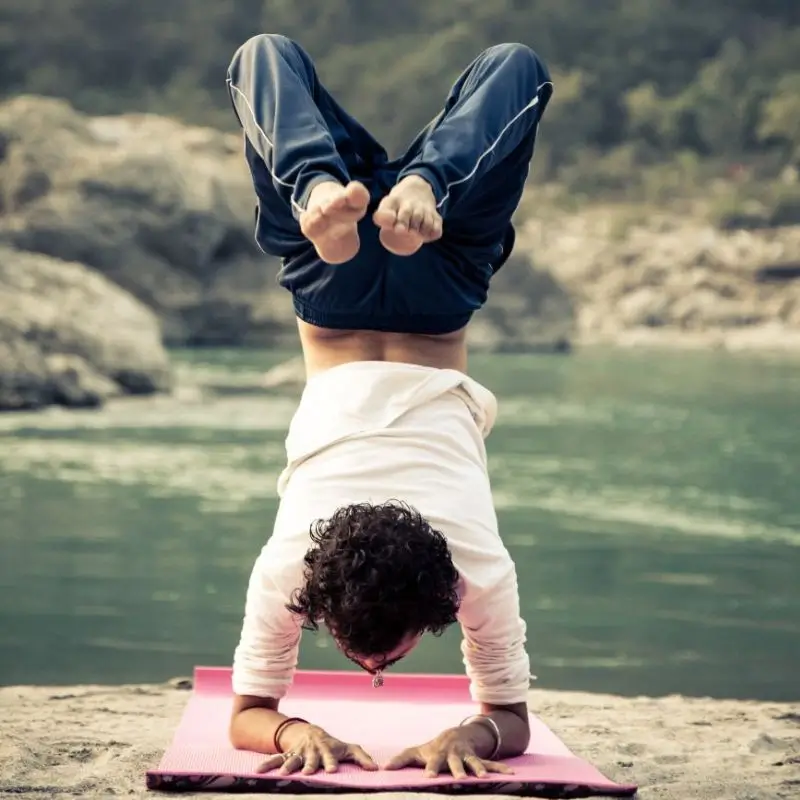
point(162, 209)
point(165, 210)
point(69, 336)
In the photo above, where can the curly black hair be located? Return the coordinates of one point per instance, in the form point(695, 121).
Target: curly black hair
point(375, 575)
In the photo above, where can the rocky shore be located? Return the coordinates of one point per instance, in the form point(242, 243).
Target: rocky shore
point(669, 279)
point(136, 231)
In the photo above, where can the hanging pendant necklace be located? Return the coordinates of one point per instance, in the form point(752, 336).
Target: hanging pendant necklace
point(377, 680)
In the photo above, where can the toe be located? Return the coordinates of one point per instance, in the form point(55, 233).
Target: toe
point(357, 195)
point(386, 214)
point(417, 220)
point(427, 226)
point(404, 215)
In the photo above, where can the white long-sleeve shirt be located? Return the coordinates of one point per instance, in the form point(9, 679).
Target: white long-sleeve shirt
point(374, 432)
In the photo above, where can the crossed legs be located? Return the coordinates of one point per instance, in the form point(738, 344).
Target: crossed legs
point(306, 152)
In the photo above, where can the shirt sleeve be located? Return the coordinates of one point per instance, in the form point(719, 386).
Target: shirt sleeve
point(494, 637)
point(265, 659)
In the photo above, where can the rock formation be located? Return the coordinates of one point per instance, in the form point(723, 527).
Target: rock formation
point(69, 336)
point(669, 279)
point(164, 210)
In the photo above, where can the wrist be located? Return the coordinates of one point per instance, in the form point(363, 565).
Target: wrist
point(288, 733)
point(483, 735)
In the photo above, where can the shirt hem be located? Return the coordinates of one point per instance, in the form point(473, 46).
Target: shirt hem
point(426, 324)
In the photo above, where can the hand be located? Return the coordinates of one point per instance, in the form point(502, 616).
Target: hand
point(308, 748)
point(453, 749)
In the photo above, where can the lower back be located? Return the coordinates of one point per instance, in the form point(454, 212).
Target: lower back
point(325, 348)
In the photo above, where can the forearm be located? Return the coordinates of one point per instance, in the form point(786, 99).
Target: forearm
point(515, 731)
point(254, 724)
point(512, 725)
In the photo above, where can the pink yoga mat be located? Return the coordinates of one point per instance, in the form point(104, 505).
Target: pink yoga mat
point(407, 710)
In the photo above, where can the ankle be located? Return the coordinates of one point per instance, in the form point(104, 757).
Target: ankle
point(417, 182)
point(325, 184)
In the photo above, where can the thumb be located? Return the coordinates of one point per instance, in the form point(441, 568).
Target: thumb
point(410, 757)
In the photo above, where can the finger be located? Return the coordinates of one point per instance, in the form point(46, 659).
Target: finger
point(329, 762)
point(475, 766)
point(497, 766)
point(270, 763)
point(361, 757)
point(292, 764)
point(456, 766)
point(312, 762)
point(408, 758)
point(434, 765)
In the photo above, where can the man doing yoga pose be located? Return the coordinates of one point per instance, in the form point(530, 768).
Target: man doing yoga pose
point(386, 528)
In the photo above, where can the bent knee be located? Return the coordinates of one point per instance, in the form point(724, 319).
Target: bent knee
point(521, 56)
point(524, 64)
point(257, 48)
point(270, 41)
point(517, 52)
point(265, 43)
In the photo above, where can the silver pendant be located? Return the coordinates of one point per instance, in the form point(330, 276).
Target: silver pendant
point(377, 680)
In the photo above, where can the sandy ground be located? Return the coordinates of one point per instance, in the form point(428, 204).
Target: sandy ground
point(94, 741)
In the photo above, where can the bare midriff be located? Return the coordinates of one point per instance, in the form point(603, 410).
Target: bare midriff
point(324, 348)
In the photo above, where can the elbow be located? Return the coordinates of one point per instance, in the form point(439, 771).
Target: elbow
point(251, 716)
point(525, 735)
point(518, 732)
point(239, 724)
point(235, 733)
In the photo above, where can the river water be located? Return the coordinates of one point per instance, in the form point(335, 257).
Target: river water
point(651, 501)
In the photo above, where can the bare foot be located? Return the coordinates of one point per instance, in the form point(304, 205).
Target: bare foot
point(407, 217)
point(330, 221)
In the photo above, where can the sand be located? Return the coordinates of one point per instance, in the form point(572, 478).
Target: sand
point(95, 741)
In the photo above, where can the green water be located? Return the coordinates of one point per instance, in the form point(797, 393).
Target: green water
point(651, 503)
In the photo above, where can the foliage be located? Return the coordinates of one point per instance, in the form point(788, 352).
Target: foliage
point(768, 205)
point(636, 82)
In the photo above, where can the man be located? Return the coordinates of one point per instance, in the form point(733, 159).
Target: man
point(386, 528)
